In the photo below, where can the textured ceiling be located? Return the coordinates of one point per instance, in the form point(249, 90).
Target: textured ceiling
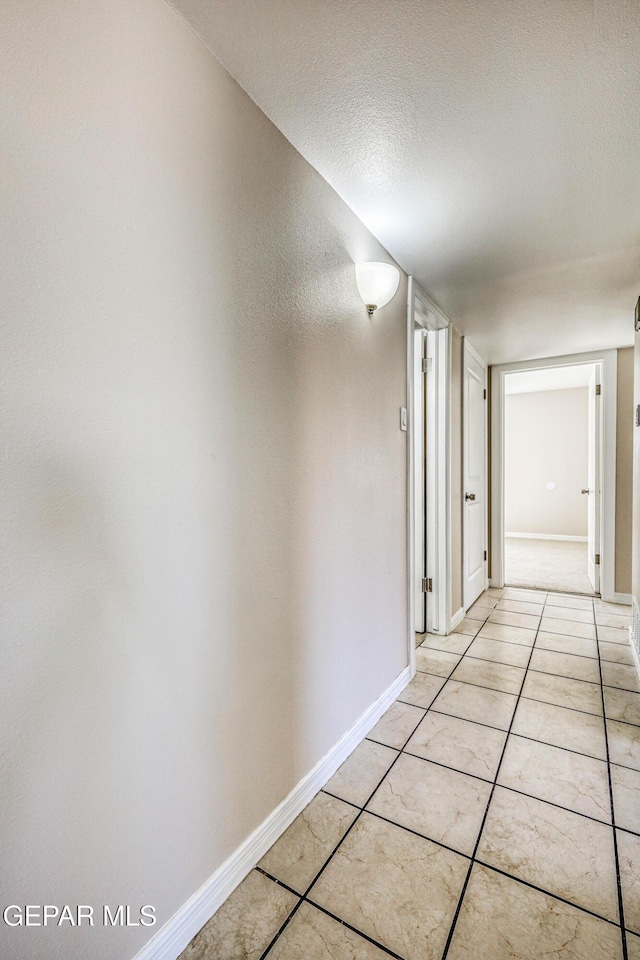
point(493, 146)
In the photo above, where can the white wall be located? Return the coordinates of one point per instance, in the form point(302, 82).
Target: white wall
point(200, 424)
point(546, 439)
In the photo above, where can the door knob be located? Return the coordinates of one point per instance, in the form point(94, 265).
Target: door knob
point(469, 496)
point(584, 491)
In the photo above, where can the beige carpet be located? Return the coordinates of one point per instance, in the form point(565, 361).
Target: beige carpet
point(547, 565)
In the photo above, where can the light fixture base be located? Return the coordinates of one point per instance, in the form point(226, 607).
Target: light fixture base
point(371, 307)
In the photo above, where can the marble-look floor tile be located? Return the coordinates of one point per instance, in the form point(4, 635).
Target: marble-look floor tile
point(396, 725)
point(604, 619)
point(550, 773)
point(502, 919)
point(616, 652)
point(469, 626)
point(496, 592)
point(245, 924)
point(526, 620)
point(569, 613)
point(398, 888)
point(568, 628)
point(564, 853)
point(487, 673)
point(469, 702)
point(422, 690)
point(564, 692)
point(437, 662)
point(613, 634)
point(520, 606)
point(577, 603)
point(498, 651)
point(304, 847)
point(633, 946)
point(507, 634)
point(582, 732)
point(629, 858)
point(620, 675)
point(566, 665)
point(361, 772)
point(465, 746)
point(441, 804)
point(455, 643)
point(562, 643)
point(481, 610)
point(312, 935)
point(622, 705)
point(625, 784)
point(624, 744)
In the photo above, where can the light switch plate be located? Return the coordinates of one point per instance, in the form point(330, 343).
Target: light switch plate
point(403, 418)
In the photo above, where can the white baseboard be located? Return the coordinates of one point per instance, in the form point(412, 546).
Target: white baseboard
point(457, 618)
point(169, 942)
point(546, 536)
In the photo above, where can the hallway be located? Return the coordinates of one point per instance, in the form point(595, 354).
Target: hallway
point(475, 821)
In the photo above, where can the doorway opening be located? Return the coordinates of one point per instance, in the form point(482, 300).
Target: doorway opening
point(553, 469)
point(552, 479)
point(429, 522)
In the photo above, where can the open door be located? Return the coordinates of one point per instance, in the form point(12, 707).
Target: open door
point(594, 483)
point(474, 473)
point(420, 479)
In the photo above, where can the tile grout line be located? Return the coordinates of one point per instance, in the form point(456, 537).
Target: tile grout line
point(456, 915)
point(304, 897)
point(521, 793)
point(518, 666)
point(616, 857)
point(547, 893)
point(361, 810)
point(550, 703)
point(326, 863)
point(466, 856)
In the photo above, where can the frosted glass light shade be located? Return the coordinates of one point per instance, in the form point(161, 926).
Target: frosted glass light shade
point(377, 283)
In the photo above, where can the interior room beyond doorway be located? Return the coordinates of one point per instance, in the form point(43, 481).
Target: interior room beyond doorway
point(551, 478)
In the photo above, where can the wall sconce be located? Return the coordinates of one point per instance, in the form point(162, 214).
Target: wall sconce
point(377, 284)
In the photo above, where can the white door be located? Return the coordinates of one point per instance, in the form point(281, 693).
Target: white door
point(474, 471)
point(593, 481)
point(419, 480)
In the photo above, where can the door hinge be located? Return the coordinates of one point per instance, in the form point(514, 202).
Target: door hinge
point(598, 389)
point(427, 364)
point(484, 394)
point(485, 554)
point(427, 585)
point(597, 559)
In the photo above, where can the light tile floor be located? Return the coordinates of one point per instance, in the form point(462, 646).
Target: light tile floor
point(493, 813)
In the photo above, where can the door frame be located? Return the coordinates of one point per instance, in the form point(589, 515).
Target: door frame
point(423, 312)
point(466, 346)
point(608, 360)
